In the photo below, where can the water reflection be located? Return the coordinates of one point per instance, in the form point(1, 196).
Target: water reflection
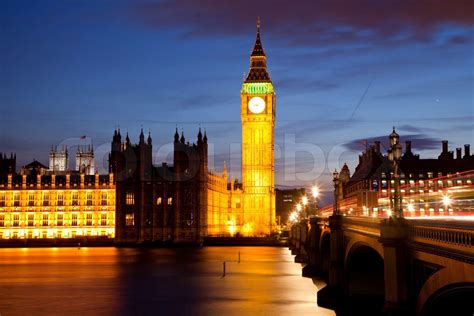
point(122, 281)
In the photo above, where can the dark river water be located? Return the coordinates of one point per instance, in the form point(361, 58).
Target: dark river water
point(122, 281)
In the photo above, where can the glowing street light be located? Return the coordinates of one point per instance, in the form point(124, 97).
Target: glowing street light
point(446, 200)
point(298, 207)
point(293, 217)
point(315, 191)
point(304, 200)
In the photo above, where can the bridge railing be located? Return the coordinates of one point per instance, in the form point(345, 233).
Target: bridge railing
point(446, 232)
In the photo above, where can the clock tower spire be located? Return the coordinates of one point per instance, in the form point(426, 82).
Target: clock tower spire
point(258, 104)
point(258, 61)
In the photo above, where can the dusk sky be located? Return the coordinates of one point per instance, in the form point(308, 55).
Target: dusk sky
point(344, 71)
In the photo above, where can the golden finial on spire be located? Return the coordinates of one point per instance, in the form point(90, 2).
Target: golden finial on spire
point(258, 23)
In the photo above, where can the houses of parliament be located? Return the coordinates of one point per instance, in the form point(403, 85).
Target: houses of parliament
point(138, 202)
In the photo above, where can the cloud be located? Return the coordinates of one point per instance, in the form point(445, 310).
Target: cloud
point(419, 142)
point(309, 21)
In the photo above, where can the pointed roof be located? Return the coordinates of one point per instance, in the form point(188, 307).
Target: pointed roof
point(394, 134)
point(149, 137)
point(199, 135)
point(176, 135)
point(258, 65)
point(258, 48)
point(142, 136)
point(35, 164)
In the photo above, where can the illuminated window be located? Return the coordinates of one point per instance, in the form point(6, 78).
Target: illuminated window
point(16, 199)
point(46, 198)
point(74, 220)
point(89, 198)
point(2, 199)
point(130, 198)
point(31, 220)
point(59, 234)
point(60, 198)
point(45, 220)
point(170, 200)
point(103, 198)
point(75, 198)
point(31, 199)
point(60, 219)
point(430, 175)
point(89, 219)
point(2, 220)
point(440, 174)
point(158, 201)
point(16, 220)
point(129, 219)
point(237, 204)
point(103, 219)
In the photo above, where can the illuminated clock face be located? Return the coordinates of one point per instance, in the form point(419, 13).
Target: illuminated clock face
point(256, 105)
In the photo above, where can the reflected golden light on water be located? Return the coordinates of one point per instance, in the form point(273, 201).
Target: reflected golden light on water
point(175, 281)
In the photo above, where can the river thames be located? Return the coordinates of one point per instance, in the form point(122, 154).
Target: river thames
point(130, 281)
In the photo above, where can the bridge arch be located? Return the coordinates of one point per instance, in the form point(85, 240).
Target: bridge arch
point(445, 289)
point(454, 297)
point(325, 250)
point(364, 278)
point(357, 241)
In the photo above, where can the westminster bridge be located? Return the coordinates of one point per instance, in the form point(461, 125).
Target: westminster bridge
point(380, 263)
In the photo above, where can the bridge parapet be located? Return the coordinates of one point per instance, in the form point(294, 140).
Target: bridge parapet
point(446, 237)
point(362, 225)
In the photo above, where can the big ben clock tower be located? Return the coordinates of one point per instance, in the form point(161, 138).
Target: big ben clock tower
point(257, 113)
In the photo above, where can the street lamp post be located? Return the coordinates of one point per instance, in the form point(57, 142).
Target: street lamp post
point(335, 179)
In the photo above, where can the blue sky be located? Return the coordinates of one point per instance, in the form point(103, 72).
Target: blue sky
point(343, 72)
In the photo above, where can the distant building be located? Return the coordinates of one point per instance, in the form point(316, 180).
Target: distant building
point(85, 159)
point(58, 160)
point(286, 200)
point(34, 205)
point(374, 175)
point(34, 168)
point(182, 203)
